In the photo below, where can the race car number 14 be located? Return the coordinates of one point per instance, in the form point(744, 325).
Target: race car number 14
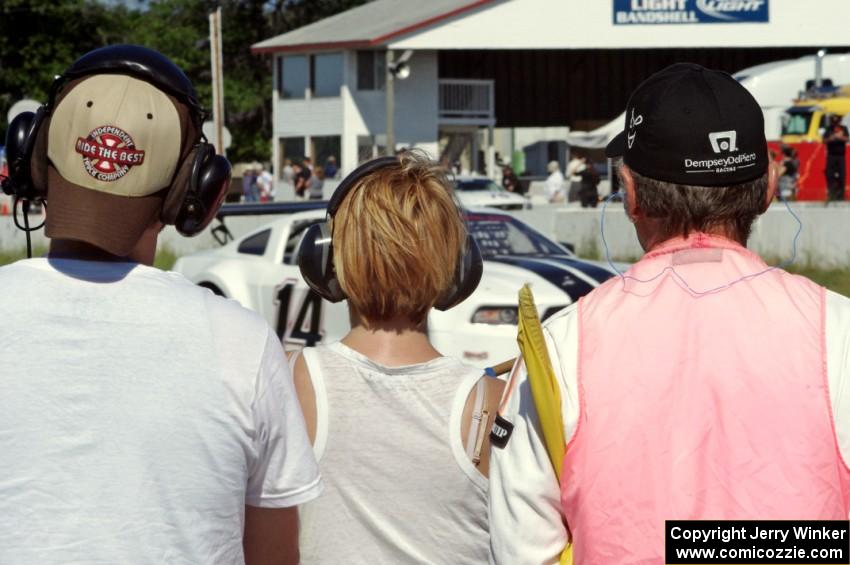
point(306, 328)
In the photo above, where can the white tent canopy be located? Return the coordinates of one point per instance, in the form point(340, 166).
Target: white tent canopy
point(598, 138)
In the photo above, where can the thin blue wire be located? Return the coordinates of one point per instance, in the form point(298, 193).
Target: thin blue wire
point(679, 277)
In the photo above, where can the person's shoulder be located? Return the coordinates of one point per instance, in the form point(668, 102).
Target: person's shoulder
point(224, 311)
point(458, 366)
point(18, 274)
point(837, 319)
point(14, 269)
point(228, 310)
point(561, 323)
point(837, 304)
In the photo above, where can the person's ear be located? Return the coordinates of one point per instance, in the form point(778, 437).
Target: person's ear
point(632, 209)
point(772, 182)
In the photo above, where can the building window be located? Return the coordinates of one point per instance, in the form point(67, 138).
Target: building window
point(326, 75)
point(324, 147)
point(371, 70)
point(289, 149)
point(292, 76)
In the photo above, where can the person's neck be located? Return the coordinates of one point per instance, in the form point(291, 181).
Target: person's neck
point(144, 251)
point(650, 237)
point(392, 343)
point(69, 249)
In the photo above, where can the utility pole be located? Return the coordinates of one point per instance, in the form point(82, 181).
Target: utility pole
point(390, 150)
point(217, 81)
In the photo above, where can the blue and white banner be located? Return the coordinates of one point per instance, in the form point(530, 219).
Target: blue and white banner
point(630, 12)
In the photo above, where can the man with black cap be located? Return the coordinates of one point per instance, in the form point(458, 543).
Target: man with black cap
point(835, 140)
point(701, 384)
point(142, 418)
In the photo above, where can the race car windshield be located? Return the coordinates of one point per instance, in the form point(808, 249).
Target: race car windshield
point(503, 235)
point(468, 185)
point(796, 123)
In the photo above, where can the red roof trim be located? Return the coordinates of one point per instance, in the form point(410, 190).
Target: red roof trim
point(313, 46)
point(429, 21)
point(375, 41)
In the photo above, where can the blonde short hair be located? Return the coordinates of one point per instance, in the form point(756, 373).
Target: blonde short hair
point(397, 238)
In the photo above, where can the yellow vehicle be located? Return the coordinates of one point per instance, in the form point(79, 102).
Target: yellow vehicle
point(803, 127)
point(804, 122)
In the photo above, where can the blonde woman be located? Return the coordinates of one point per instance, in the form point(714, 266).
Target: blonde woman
point(400, 431)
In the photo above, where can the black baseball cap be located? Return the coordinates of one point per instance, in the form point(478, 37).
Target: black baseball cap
point(690, 125)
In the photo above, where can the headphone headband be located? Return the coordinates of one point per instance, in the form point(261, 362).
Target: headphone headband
point(315, 255)
point(139, 62)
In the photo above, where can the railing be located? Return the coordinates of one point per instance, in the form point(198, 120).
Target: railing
point(467, 98)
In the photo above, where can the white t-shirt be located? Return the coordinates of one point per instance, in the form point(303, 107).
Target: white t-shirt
point(525, 507)
point(266, 183)
point(139, 414)
point(554, 185)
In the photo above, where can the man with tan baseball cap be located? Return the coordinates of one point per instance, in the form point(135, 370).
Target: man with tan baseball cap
point(113, 146)
point(143, 418)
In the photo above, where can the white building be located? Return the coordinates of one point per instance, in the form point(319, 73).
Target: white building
point(531, 69)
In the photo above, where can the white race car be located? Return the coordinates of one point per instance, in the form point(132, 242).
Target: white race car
point(260, 271)
point(476, 192)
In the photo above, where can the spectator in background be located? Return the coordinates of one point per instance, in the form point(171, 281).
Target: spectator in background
point(588, 193)
point(265, 181)
point(510, 182)
point(555, 191)
point(789, 173)
point(286, 173)
point(250, 190)
point(316, 185)
point(330, 168)
point(396, 423)
point(301, 179)
point(835, 138)
point(308, 163)
point(5, 201)
point(577, 164)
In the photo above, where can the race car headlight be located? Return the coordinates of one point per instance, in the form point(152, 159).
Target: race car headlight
point(495, 315)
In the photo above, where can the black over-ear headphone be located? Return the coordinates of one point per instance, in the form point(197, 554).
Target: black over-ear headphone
point(315, 256)
point(200, 181)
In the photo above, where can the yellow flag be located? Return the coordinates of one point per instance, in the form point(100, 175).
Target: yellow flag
point(544, 388)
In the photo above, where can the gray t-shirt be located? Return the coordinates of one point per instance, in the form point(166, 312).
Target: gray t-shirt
point(316, 187)
point(399, 485)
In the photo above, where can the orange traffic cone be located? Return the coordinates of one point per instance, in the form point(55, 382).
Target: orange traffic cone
point(4, 209)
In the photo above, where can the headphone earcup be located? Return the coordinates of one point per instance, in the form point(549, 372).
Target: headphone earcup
point(198, 189)
point(315, 259)
point(21, 139)
point(208, 185)
point(470, 267)
point(179, 189)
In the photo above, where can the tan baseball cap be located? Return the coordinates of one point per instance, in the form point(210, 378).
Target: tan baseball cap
point(114, 144)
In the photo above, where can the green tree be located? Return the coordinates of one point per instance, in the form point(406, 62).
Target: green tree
point(40, 38)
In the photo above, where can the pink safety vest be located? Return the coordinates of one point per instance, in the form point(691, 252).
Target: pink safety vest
point(710, 406)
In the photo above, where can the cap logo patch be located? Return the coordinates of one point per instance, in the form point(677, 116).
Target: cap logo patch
point(108, 153)
point(723, 141)
point(634, 121)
